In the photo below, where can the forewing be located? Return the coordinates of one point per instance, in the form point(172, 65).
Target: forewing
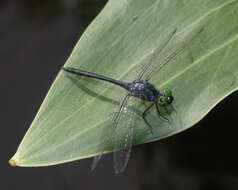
point(124, 134)
point(108, 135)
point(155, 54)
point(164, 54)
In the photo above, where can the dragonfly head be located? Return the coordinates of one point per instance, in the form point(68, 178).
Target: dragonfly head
point(166, 97)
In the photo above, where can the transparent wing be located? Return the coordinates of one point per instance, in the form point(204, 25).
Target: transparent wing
point(121, 157)
point(108, 135)
point(165, 54)
point(124, 132)
point(149, 65)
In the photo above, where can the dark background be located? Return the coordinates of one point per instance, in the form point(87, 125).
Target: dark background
point(36, 38)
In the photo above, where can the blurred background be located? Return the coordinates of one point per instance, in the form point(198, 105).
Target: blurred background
point(36, 38)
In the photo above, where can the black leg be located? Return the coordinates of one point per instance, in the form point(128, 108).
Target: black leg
point(144, 115)
point(157, 108)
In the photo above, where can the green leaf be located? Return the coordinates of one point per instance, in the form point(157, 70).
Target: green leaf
point(75, 111)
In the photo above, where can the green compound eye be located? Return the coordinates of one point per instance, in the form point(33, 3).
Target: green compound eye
point(167, 92)
point(166, 98)
point(162, 100)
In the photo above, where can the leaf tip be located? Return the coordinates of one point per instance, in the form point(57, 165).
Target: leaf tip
point(13, 162)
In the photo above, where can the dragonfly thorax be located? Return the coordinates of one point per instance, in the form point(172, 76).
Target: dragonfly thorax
point(143, 90)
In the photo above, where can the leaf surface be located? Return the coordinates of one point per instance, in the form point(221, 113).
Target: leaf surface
point(68, 124)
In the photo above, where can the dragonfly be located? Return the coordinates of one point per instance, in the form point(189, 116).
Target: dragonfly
point(121, 131)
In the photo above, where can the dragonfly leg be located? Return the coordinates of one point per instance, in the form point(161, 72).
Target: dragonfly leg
point(160, 115)
point(144, 117)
